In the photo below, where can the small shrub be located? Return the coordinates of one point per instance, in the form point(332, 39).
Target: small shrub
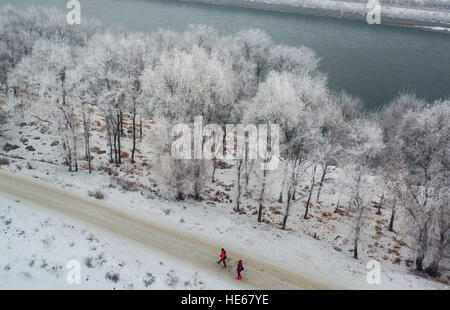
point(4, 161)
point(10, 147)
point(113, 276)
point(172, 278)
point(88, 262)
point(92, 238)
point(96, 194)
point(149, 279)
point(101, 259)
point(128, 186)
point(56, 269)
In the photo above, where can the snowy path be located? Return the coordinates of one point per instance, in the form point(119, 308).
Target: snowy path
point(198, 252)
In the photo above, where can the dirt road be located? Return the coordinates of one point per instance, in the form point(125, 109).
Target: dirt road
point(199, 253)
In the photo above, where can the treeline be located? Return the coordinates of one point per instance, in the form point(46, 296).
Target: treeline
point(62, 74)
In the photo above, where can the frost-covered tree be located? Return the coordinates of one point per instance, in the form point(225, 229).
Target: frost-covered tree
point(293, 59)
point(20, 29)
point(106, 75)
point(281, 100)
point(422, 145)
point(185, 85)
point(440, 235)
point(47, 85)
point(250, 53)
point(202, 36)
point(132, 51)
point(336, 129)
point(367, 143)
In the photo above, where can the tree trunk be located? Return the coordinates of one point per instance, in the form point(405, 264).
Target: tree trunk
point(310, 193)
point(380, 204)
point(423, 244)
point(74, 137)
point(280, 198)
point(69, 155)
point(433, 268)
point(261, 196)
point(355, 250)
point(178, 183)
point(140, 126)
point(238, 197)
point(214, 170)
point(134, 135)
point(286, 213)
point(419, 262)
point(391, 222)
point(87, 134)
point(121, 122)
point(248, 169)
point(89, 162)
point(197, 189)
point(119, 130)
point(116, 160)
point(322, 178)
point(108, 136)
point(337, 204)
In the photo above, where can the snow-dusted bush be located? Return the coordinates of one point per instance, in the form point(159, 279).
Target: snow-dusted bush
point(96, 194)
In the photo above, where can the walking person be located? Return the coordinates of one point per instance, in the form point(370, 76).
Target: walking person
point(223, 257)
point(239, 269)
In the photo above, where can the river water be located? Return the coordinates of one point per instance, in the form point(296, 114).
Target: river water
point(373, 62)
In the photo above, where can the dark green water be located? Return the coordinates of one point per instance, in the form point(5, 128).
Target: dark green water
point(372, 62)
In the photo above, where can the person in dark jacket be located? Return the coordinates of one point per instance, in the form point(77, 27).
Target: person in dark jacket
point(239, 269)
point(223, 257)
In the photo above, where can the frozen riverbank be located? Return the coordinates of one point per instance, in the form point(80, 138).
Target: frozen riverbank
point(430, 19)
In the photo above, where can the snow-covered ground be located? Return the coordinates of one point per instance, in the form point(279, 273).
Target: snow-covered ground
point(38, 244)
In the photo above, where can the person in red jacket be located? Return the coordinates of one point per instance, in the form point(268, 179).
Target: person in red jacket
point(239, 269)
point(223, 257)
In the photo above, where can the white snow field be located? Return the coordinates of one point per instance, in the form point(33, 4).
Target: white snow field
point(37, 244)
point(44, 227)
